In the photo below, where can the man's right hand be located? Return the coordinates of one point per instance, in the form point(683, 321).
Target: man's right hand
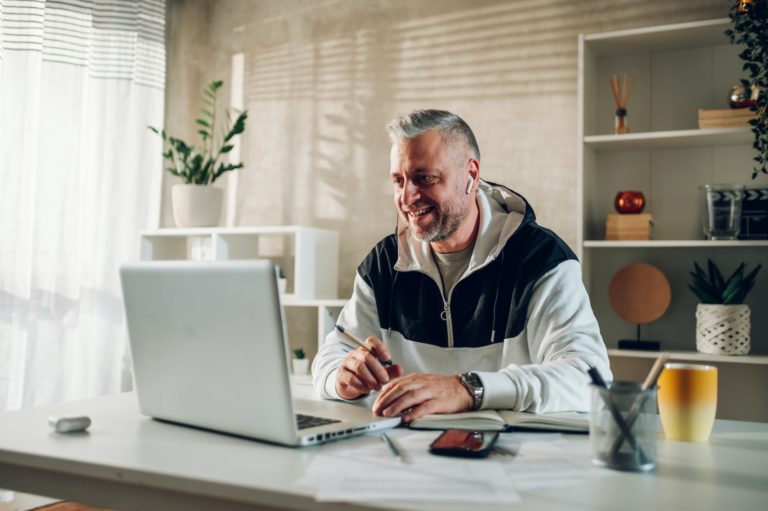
point(360, 371)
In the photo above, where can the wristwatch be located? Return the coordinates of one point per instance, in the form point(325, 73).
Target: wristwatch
point(471, 382)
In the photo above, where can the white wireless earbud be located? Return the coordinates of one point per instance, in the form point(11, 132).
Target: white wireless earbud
point(469, 185)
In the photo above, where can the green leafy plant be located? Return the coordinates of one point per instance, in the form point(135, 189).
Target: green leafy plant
point(712, 288)
point(750, 26)
point(201, 166)
point(299, 354)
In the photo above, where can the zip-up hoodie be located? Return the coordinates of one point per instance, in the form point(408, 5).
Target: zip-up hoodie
point(519, 316)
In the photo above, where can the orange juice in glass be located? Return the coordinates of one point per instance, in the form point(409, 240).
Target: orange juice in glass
point(688, 401)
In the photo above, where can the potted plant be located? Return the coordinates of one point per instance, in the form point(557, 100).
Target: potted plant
point(300, 362)
point(722, 319)
point(196, 203)
point(750, 24)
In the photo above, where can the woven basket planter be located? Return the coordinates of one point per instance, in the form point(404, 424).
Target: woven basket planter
point(722, 329)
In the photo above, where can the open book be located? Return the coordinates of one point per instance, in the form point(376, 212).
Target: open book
point(506, 420)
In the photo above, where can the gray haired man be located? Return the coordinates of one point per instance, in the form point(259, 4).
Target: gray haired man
point(478, 305)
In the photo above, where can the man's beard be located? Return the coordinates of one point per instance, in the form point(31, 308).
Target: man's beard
point(446, 221)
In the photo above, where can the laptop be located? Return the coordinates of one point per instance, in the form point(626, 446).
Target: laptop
point(209, 350)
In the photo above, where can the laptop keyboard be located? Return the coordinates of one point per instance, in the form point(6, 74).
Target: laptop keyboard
point(309, 421)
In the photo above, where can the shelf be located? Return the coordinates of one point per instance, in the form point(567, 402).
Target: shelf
point(665, 139)
point(693, 355)
point(290, 300)
point(674, 244)
point(309, 254)
point(665, 37)
point(207, 231)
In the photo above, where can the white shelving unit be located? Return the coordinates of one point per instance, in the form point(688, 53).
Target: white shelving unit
point(676, 138)
point(675, 244)
point(679, 68)
point(327, 313)
point(692, 356)
point(309, 257)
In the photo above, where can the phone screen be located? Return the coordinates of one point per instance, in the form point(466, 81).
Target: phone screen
point(456, 442)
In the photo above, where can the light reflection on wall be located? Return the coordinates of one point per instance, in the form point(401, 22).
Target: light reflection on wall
point(323, 78)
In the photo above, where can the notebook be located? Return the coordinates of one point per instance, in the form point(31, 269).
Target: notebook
point(209, 350)
point(506, 420)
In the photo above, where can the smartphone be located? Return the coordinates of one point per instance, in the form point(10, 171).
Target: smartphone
point(468, 444)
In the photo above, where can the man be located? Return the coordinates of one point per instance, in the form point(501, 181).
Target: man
point(477, 305)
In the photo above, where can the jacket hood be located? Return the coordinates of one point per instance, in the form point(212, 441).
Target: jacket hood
point(502, 213)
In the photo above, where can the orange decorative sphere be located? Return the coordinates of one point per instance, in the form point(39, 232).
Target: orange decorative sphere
point(629, 202)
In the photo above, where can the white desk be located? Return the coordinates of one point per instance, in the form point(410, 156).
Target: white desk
point(131, 462)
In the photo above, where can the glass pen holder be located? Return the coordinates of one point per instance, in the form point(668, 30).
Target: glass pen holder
point(621, 121)
point(622, 430)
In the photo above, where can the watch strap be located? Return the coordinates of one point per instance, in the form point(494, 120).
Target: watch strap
point(471, 381)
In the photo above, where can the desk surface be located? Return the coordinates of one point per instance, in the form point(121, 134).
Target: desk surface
point(129, 461)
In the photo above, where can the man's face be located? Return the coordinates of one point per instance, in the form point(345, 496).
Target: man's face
point(431, 178)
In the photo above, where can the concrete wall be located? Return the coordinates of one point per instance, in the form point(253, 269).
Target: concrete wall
point(322, 78)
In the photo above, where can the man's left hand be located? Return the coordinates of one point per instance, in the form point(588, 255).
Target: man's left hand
point(419, 394)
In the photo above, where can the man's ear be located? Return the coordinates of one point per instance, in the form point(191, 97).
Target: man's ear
point(473, 168)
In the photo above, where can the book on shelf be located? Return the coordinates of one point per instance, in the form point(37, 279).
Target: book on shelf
point(630, 220)
point(725, 118)
point(628, 227)
point(725, 113)
point(506, 420)
point(626, 236)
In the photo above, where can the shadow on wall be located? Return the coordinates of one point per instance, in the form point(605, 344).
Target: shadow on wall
point(324, 81)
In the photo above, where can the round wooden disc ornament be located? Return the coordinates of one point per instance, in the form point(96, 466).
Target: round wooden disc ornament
point(639, 293)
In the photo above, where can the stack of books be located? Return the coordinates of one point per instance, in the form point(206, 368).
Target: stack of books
point(628, 227)
point(725, 118)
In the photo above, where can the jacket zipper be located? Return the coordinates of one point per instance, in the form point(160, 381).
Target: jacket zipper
point(445, 315)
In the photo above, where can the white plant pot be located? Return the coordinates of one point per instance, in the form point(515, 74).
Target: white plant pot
point(722, 329)
point(196, 205)
point(300, 365)
point(281, 285)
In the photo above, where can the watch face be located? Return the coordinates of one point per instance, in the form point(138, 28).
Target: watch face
point(475, 386)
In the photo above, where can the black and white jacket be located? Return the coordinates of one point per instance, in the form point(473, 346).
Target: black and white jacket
point(519, 316)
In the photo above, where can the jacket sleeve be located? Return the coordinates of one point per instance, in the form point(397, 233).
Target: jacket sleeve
point(563, 340)
point(358, 317)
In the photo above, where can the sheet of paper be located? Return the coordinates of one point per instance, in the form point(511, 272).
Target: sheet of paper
point(363, 469)
point(547, 461)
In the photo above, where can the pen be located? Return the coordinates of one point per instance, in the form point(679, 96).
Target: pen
point(393, 448)
point(385, 363)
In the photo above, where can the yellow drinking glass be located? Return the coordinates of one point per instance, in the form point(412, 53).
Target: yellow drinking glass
point(688, 401)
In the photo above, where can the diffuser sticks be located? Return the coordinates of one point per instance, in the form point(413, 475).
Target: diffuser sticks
point(621, 91)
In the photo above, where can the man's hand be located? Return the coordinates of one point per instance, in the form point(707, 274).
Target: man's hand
point(360, 371)
point(419, 394)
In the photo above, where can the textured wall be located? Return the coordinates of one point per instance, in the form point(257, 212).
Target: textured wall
point(322, 78)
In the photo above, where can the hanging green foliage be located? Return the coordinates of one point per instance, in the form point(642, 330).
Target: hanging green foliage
point(750, 29)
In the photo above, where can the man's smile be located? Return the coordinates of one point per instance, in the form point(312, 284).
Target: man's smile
point(419, 212)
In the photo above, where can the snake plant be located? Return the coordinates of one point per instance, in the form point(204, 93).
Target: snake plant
point(712, 288)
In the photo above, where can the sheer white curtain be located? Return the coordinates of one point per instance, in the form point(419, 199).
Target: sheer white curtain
point(79, 177)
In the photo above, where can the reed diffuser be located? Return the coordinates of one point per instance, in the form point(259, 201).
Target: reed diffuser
point(621, 92)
